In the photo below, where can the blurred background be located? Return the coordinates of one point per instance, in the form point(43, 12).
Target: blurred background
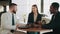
point(24, 8)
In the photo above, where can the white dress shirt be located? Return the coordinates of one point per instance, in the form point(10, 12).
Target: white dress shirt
point(6, 22)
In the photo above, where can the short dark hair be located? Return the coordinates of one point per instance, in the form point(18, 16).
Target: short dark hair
point(55, 5)
point(12, 4)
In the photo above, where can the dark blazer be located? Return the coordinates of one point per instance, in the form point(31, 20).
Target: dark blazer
point(31, 18)
point(54, 24)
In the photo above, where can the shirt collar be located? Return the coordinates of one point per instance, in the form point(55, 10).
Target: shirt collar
point(10, 12)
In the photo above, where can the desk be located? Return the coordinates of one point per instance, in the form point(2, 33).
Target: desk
point(41, 30)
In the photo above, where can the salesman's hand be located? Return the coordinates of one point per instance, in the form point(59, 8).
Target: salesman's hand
point(17, 25)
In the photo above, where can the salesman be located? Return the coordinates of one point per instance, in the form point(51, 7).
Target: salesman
point(9, 20)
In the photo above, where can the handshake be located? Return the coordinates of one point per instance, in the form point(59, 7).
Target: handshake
point(36, 25)
point(31, 25)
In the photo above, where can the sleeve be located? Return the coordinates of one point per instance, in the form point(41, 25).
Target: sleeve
point(39, 17)
point(5, 23)
point(47, 26)
point(29, 19)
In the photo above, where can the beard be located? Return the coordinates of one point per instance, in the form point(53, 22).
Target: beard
point(51, 12)
point(14, 12)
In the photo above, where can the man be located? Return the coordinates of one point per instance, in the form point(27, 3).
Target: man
point(55, 21)
point(9, 21)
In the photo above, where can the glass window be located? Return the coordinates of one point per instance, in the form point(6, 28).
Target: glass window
point(1, 9)
point(25, 5)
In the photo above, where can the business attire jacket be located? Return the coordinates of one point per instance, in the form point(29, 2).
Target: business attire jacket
point(31, 20)
point(54, 24)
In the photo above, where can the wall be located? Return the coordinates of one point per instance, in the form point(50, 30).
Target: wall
point(24, 7)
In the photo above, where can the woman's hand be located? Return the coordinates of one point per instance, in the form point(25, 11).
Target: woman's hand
point(39, 23)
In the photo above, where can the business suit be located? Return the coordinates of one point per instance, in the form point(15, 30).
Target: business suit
point(31, 20)
point(54, 24)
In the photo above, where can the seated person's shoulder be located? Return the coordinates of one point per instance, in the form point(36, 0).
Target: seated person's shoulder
point(40, 15)
point(59, 13)
point(30, 13)
point(4, 14)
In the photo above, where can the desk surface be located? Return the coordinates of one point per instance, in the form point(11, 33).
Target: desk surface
point(35, 29)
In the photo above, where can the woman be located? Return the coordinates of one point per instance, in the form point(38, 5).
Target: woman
point(34, 17)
